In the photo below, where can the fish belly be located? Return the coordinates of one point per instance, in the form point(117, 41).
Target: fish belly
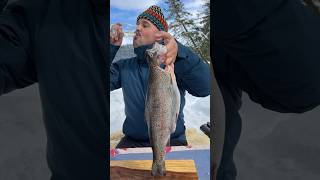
point(160, 116)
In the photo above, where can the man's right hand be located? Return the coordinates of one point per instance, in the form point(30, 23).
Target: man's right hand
point(116, 34)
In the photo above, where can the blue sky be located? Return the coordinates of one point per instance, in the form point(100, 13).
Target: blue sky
point(126, 12)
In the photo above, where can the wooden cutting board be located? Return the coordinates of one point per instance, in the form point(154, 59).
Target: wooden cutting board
point(141, 170)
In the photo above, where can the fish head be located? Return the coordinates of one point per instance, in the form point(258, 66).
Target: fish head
point(156, 54)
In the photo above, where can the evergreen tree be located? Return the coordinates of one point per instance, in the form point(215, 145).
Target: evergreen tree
point(196, 35)
point(204, 31)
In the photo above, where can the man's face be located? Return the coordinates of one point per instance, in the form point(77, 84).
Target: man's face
point(145, 33)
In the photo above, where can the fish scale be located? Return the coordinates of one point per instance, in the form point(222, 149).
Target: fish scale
point(162, 109)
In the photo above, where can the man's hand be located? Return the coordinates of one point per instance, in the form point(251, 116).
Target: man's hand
point(171, 45)
point(116, 34)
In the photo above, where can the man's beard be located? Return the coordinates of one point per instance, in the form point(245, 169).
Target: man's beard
point(137, 42)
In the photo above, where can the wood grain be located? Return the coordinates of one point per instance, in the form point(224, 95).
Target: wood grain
point(141, 169)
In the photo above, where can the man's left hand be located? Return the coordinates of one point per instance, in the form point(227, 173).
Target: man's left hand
point(171, 45)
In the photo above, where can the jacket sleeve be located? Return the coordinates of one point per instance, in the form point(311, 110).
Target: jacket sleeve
point(113, 52)
point(115, 76)
point(17, 69)
point(193, 74)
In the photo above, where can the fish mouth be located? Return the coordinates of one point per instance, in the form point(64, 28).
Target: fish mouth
point(156, 53)
point(151, 53)
point(157, 49)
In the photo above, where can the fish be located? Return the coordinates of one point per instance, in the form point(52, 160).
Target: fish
point(162, 107)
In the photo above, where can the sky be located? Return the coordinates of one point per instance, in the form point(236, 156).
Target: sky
point(126, 12)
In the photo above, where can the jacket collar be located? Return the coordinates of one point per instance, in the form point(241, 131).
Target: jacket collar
point(141, 52)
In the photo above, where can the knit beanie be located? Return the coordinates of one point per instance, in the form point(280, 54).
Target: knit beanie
point(154, 14)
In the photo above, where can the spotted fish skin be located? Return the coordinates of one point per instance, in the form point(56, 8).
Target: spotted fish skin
point(161, 109)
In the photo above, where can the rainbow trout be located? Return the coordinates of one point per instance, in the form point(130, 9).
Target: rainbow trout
point(161, 108)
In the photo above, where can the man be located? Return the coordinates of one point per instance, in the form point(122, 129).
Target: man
point(131, 75)
point(61, 46)
point(268, 49)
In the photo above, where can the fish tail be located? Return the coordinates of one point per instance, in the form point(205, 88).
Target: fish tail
point(158, 169)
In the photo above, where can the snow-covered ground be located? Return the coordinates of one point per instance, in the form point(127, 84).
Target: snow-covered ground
point(196, 111)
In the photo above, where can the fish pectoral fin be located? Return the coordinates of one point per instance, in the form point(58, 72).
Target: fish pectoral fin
point(168, 74)
point(174, 124)
point(150, 139)
point(147, 119)
point(168, 143)
point(172, 78)
point(150, 136)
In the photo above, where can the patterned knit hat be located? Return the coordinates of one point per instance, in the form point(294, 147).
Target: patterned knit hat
point(154, 14)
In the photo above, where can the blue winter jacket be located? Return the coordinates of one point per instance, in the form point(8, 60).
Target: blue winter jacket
point(192, 74)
